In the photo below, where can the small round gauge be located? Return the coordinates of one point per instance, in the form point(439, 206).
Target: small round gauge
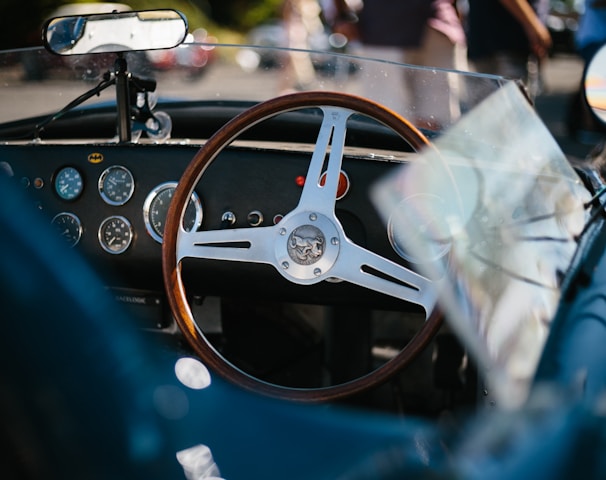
point(116, 185)
point(115, 234)
point(156, 206)
point(69, 183)
point(342, 186)
point(69, 227)
point(418, 230)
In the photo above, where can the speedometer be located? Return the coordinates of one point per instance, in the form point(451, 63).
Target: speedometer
point(156, 206)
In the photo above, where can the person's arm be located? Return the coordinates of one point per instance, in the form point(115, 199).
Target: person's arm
point(342, 8)
point(537, 33)
point(345, 20)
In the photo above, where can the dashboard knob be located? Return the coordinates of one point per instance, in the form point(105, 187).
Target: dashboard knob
point(255, 218)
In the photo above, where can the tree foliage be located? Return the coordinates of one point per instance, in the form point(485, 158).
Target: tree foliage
point(21, 20)
point(244, 14)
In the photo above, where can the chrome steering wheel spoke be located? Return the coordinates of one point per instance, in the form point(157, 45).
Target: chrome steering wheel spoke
point(237, 244)
point(369, 270)
point(317, 197)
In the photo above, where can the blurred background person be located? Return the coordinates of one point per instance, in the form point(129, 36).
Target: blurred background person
point(416, 32)
point(509, 38)
point(302, 19)
point(591, 34)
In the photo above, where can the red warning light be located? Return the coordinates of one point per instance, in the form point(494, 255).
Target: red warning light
point(300, 181)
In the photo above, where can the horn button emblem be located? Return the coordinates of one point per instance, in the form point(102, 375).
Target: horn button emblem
point(306, 245)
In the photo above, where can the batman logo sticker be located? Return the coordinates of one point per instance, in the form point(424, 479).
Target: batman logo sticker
point(95, 157)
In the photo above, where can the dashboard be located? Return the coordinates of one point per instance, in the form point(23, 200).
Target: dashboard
point(110, 201)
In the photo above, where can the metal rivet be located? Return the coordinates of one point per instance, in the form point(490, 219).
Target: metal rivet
point(285, 265)
point(317, 272)
point(313, 217)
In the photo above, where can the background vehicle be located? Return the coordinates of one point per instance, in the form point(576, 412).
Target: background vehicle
point(153, 182)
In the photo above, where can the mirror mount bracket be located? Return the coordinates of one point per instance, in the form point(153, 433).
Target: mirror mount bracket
point(122, 99)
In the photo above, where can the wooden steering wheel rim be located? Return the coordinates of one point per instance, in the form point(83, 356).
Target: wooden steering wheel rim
point(172, 273)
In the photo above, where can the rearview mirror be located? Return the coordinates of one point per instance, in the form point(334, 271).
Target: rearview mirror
point(115, 32)
point(595, 85)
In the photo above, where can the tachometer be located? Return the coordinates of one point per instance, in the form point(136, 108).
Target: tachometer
point(116, 185)
point(115, 234)
point(69, 183)
point(156, 206)
point(69, 227)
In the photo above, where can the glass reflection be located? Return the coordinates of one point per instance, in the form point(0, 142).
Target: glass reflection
point(198, 463)
point(192, 373)
point(511, 209)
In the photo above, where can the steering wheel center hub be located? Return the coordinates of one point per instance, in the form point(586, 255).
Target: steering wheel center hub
point(307, 247)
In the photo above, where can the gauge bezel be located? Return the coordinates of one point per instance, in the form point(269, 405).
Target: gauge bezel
point(149, 200)
point(100, 232)
point(437, 255)
point(103, 190)
point(58, 175)
point(78, 224)
point(345, 186)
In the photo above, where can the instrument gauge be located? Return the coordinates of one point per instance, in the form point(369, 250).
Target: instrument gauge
point(116, 185)
point(115, 234)
point(69, 227)
point(418, 230)
point(342, 186)
point(69, 183)
point(156, 206)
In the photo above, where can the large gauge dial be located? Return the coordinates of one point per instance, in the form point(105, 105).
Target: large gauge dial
point(69, 227)
point(69, 183)
point(116, 185)
point(418, 230)
point(115, 234)
point(156, 206)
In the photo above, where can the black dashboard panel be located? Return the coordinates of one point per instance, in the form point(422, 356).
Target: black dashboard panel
point(243, 181)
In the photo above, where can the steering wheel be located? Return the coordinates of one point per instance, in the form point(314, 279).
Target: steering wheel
point(328, 252)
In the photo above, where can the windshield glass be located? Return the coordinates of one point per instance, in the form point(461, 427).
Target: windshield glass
point(34, 82)
point(499, 195)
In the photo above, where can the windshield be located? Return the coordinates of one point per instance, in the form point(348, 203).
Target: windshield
point(34, 82)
